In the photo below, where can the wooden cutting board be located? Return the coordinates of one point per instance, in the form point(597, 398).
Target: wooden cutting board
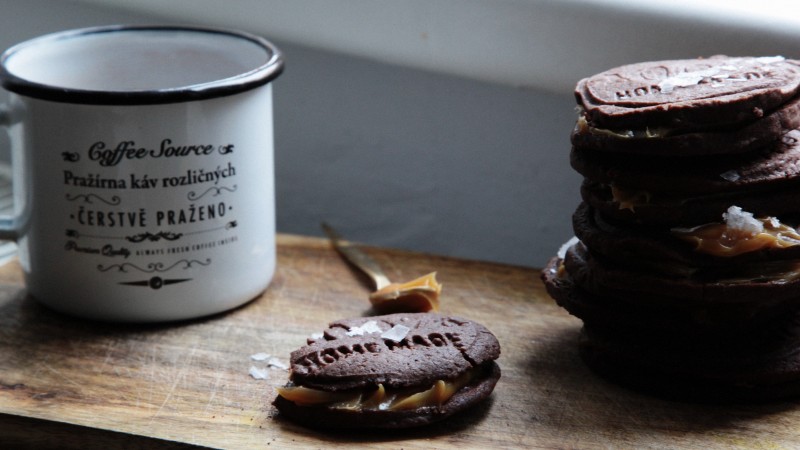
point(69, 383)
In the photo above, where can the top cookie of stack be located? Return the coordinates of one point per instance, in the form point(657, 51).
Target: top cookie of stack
point(697, 107)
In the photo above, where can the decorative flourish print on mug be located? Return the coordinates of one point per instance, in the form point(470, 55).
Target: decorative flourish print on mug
point(217, 190)
point(155, 282)
point(153, 267)
point(230, 225)
point(87, 198)
point(71, 156)
point(166, 235)
point(75, 234)
point(147, 236)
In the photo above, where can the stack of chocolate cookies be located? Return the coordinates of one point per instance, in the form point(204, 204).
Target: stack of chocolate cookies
point(685, 269)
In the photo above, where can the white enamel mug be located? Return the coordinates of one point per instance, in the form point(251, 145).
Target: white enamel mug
point(143, 169)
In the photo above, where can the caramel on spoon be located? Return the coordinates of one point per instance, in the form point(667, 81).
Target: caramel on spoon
point(418, 295)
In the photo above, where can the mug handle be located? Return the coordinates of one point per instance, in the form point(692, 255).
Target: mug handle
point(10, 225)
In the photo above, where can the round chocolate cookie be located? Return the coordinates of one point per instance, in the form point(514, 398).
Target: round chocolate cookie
point(668, 211)
point(744, 296)
point(656, 246)
point(688, 94)
point(681, 143)
point(774, 166)
point(676, 373)
point(644, 316)
point(603, 312)
point(392, 371)
point(667, 351)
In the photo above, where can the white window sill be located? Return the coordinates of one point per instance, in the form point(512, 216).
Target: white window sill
point(545, 44)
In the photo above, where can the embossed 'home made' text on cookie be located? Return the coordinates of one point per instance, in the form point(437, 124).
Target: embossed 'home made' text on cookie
point(322, 358)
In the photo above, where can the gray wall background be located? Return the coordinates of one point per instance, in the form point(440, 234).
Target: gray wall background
point(408, 158)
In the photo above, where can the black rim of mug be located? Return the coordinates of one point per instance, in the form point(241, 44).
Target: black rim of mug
point(245, 81)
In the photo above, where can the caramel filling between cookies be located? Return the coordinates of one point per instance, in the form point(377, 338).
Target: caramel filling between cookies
point(647, 133)
point(773, 271)
point(741, 233)
point(380, 399)
point(629, 199)
point(419, 295)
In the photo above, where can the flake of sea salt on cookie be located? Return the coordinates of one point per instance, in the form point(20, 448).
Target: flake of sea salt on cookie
point(317, 336)
point(686, 79)
point(260, 356)
point(258, 374)
point(366, 328)
point(397, 333)
point(562, 252)
point(770, 59)
point(742, 222)
point(730, 175)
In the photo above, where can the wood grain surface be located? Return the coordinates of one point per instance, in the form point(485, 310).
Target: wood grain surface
point(70, 383)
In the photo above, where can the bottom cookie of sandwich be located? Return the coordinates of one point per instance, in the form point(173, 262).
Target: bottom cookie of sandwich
point(354, 414)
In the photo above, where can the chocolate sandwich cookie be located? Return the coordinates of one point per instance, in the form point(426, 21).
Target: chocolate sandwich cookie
point(641, 316)
point(731, 297)
point(700, 246)
point(669, 352)
point(392, 371)
point(670, 192)
point(774, 166)
point(658, 209)
point(662, 141)
point(737, 375)
point(604, 312)
point(688, 94)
